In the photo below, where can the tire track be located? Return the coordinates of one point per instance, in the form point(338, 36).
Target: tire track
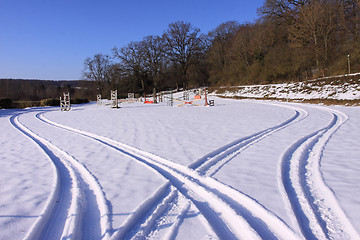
point(315, 206)
point(211, 163)
point(165, 206)
point(76, 200)
point(231, 214)
point(225, 222)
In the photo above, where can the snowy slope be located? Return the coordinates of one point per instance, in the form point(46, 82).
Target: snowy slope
point(239, 170)
point(324, 88)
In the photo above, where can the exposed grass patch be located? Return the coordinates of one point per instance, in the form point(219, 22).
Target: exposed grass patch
point(328, 102)
point(323, 91)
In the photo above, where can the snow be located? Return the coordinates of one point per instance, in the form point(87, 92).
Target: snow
point(242, 169)
point(314, 89)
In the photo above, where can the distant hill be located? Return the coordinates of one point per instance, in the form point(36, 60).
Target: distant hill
point(36, 90)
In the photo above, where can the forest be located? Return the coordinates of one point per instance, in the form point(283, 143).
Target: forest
point(292, 40)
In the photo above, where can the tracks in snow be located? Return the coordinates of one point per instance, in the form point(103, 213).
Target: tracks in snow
point(76, 202)
point(314, 204)
point(232, 214)
point(211, 163)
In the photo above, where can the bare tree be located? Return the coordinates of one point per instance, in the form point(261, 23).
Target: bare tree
point(116, 74)
point(220, 38)
point(315, 27)
point(132, 62)
point(97, 69)
point(152, 48)
point(350, 18)
point(183, 44)
point(154, 57)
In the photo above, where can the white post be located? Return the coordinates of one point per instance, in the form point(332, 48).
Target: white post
point(186, 95)
point(98, 99)
point(61, 105)
point(114, 102)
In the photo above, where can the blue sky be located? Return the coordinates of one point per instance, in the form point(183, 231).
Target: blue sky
point(50, 39)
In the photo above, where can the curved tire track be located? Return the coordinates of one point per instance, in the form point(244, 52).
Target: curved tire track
point(212, 162)
point(314, 204)
point(228, 226)
point(212, 198)
point(68, 209)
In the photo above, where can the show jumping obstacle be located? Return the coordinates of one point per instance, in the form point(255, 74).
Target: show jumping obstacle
point(165, 95)
point(114, 100)
point(65, 103)
point(185, 99)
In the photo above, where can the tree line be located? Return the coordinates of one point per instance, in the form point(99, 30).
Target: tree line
point(19, 93)
point(175, 59)
point(292, 40)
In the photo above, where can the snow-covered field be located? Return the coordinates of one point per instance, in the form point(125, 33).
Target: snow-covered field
point(238, 170)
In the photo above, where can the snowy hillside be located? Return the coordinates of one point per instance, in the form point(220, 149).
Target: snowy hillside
point(338, 87)
point(242, 169)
